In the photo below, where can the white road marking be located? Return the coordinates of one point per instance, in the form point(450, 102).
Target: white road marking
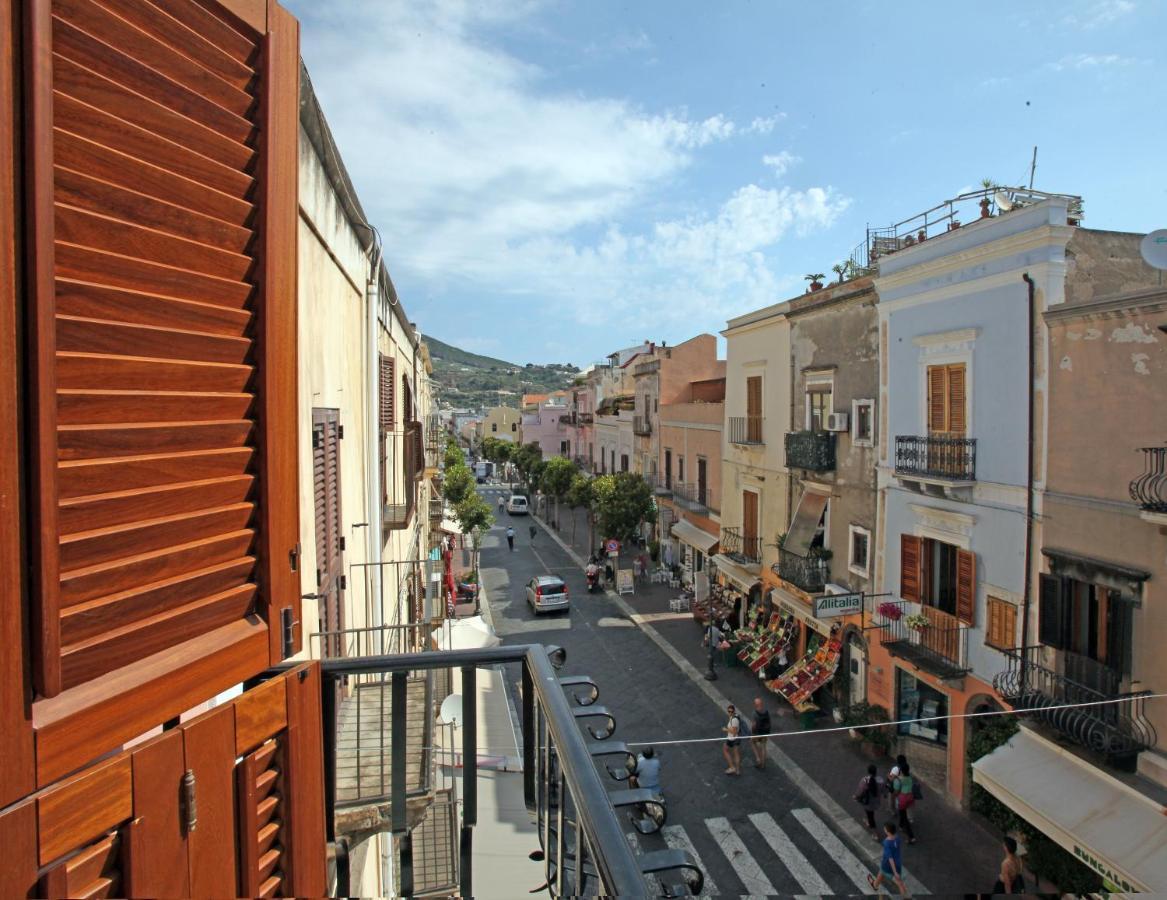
point(752, 877)
point(798, 865)
point(638, 849)
point(677, 838)
point(829, 841)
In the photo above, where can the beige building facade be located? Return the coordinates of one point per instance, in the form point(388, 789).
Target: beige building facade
point(504, 423)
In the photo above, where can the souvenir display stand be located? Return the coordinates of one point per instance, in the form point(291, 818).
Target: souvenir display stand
point(770, 643)
point(798, 683)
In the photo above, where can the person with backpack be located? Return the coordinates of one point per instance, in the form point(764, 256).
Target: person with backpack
point(761, 730)
point(735, 729)
point(870, 788)
point(903, 792)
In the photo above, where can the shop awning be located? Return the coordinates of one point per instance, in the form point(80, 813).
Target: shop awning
point(741, 577)
point(1110, 827)
point(451, 527)
point(806, 522)
point(796, 606)
point(690, 534)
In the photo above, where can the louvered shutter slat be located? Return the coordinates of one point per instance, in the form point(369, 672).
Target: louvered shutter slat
point(937, 398)
point(910, 567)
point(966, 586)
point(957, 423)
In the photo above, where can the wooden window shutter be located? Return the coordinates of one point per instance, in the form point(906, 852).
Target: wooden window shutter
point(161, 230)
point(1002, 624)
point(749, 515)
point(1050, 612)
point(754, 396)
point(957, 423)
point(966, 586)
point(387, 387)
point(937, 399)
point(910, 567)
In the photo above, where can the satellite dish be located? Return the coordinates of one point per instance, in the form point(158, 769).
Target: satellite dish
point(1003, 202)
point(451, 710)
point(1154, 249)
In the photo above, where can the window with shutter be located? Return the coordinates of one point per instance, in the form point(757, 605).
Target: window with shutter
point(966, 586)
point(947, 400)
point(754, 409)
point(1002, 623)
point(386, 387)
point(326, 501)
point(1050, 613)
point(749, 516)
point(162, 283)
point(910, 567)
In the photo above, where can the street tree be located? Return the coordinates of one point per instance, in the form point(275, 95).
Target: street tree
point(474, 518)
point(621, 502)
point(453, 456)
point(457, 484)
point(579, 494)
point(556, 480)
point(525, 459)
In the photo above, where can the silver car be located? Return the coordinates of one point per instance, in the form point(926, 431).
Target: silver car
point(547, 592)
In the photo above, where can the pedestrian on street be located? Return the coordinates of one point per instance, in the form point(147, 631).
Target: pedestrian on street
point(903, 798)
point(891, 865)
point(761, 729)
point(501, 504)
point(1009, 879)
point(511, 538)
point(713, 638)
point(731, 749)
point(532, 530)
point(870, 788)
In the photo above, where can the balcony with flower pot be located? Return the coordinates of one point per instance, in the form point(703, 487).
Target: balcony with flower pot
point(925, 636)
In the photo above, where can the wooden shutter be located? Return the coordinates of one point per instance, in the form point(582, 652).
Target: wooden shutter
point(910, 567)
point(1050, 612)
point(754, 396)
point(329, 533)
point(162, 272)
point(262, 822)
point(1002, 624)
point(966, 586)
point(387, 386)
point(749, 515)
point(957, 423)
point(937, 399)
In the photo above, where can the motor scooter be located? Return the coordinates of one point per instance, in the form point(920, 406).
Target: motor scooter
point(593, 581)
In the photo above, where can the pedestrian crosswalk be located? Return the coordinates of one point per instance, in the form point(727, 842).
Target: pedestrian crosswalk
point(754, 855)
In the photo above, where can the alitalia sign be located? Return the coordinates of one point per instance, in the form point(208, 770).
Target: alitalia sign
point(831, 606)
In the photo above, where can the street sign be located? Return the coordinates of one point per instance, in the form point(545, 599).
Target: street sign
point(612, 546)
point(624, 582)
point(831, 606)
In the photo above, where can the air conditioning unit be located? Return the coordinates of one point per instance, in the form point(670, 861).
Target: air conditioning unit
point(838, 422)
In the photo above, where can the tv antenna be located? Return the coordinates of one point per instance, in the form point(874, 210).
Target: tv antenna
point(1033, 167)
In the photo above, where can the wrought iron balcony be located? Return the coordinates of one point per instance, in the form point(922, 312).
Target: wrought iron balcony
point(694, 497)
point(1149, 490)
point(584, 418)
point(584, 849)
point(933, 456)
point(746, 430)
point(811, 450)
point(437, 511)
point(939, 647)
point(1117, 730)
point(809, 573)
point(741, 547)
point(661, 486)
point(435, 433)
point(641, 425)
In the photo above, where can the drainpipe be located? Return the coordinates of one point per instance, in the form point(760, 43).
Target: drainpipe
point(373, 486)
point(1026, 595)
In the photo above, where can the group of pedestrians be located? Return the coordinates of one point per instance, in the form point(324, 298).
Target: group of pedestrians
point(737, 729)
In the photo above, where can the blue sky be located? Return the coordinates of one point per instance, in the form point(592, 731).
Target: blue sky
point(555, 180)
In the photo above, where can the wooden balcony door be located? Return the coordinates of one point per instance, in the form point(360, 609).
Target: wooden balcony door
point(947, 418)
point(749, 522)
point(754, 409)
point(330, 581)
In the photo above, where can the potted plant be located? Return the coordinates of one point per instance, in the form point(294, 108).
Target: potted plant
point(654, 550)
point(986, 203)
point(890, 611)
point(916, 621)
point(816, 280)
point(874, 737)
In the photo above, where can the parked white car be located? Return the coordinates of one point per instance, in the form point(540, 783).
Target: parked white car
point(547, 592)
point(517, 505)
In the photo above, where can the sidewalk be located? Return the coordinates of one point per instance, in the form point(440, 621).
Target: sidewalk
point(826, 766)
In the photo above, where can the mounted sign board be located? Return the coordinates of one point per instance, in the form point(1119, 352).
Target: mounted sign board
point(612, 546)
point(831, 606)
point(624, 583)
point(1154, 249)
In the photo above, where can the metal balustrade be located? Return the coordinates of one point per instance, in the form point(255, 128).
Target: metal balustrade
point(939, 647)
point(746, 430)
point(1149, 490)
point(934, 456)
point(811, 450)
point(581, 841)
point(809, 573)
point(641, 425)
point(694, 497)
point(741, 547)
point(1117, 730)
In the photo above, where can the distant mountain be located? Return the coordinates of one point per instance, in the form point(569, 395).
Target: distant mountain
point(471, 380)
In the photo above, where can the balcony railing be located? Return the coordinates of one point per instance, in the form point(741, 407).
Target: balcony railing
point(745, 430)
point(741, 547)
point(435, 433)
point(808, 573)
point(660, 485)
point(811, 450)
point(584, 418)
point(641, 425)
point(1117, 730)
point(694, 497)
point(437, 511)
point(1149, 490)
point(585, 852)
point(950, 458)
point(940, 647)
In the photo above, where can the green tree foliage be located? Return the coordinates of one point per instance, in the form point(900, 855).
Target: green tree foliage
point(473, 513)
point(555, 480)
point(457, 484)
point(453, 457)
point(579, 494)
point(526, 458)
point(622, 501)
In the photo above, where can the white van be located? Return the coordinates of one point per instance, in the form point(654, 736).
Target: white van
point(517, 505)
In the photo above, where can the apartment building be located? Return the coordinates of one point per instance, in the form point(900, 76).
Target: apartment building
point(580, 424)
point(615, 396)
point(754, 478)
point(547, 425)
point(503, 423)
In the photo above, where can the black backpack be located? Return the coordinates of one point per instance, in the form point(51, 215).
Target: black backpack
point(743, 727)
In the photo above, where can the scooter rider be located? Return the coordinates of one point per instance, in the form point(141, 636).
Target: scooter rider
point(592, 571)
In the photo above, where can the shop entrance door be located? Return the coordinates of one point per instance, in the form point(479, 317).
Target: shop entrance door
point(857, 669)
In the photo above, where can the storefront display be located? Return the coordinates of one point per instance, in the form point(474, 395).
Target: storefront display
point(768, 644)
point(798, 683)
point(917, 700)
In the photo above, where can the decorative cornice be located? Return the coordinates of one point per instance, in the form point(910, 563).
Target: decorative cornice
point(944, 519)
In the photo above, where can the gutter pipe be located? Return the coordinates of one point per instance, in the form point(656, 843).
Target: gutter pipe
point(1027, 590)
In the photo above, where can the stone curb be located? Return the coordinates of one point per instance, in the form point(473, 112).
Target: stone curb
point(848, 824)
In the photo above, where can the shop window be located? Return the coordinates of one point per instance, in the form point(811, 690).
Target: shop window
point(939, 575)
point(863, 422)
point(860, 547)
point(1002, 630)
point(917, 700)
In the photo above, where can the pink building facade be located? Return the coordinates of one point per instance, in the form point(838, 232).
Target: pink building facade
point(548, 427)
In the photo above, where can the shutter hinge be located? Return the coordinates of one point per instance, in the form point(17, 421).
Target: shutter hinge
point(288, 623)
point(294, 557)
point(317, 437)
point(342, 543)
point(318, 577)
point(343, 582)
point(340, 432)
point(190, 808)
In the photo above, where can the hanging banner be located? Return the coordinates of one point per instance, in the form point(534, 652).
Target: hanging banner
point(831, 606)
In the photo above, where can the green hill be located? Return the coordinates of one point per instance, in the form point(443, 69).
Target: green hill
point(465, 379)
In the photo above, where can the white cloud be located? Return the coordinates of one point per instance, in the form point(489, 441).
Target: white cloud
point(1088, 61)
point(764, 124)
point(1100, 13)
point(780, 162)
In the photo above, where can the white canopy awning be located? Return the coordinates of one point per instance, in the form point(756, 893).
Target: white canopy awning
point(742, 577)
point(451, 527)
point(1107, 825)
point(796, 606)
point(690, 534)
